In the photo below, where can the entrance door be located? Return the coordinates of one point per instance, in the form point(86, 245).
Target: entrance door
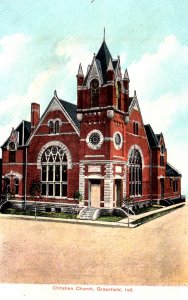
point(95, 193)
point(118, 192)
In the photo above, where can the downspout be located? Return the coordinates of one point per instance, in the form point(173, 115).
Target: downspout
point(25, 184)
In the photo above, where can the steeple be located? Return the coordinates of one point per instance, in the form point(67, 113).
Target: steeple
point(110, 71)
point(126, 76)
point(104, 57)
point(80, 76)
point(80, 71)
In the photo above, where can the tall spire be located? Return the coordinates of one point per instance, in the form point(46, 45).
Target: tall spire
point(80, 71)
point(104, 35)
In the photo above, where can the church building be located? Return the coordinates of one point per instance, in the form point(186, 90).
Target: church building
point(98, 150)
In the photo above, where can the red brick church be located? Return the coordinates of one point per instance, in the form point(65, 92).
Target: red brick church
point(99, 149)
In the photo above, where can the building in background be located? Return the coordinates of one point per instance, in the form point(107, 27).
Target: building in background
point(99, 149)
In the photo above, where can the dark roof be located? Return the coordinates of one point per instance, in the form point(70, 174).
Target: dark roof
point(24, 129)
point(104, 57)
point(152, 139)
point(171, 171)
point(114, 63)
point(71, 110)
point(158, 136)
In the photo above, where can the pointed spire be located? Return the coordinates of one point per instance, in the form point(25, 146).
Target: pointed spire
point(135, 94)
point(80, 71)
point(110, 66)
point(104, 35)
point(126, 75)
point(55, 93)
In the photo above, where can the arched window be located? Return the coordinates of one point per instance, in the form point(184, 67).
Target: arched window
point(118, 95)
point(51, 127)
point(54, 172)
point(135, 173)
point(56, 126)
point(94, 85)
point(16, 186)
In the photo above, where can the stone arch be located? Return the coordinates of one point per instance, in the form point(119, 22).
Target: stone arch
point(58, 144)
point(137, 147)
point(13, 175)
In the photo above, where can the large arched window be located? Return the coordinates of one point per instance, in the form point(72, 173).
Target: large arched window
point(94, 85)
point(135, 173)
point(54, 172)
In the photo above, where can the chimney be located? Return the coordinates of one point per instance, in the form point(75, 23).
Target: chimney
point(35, 115)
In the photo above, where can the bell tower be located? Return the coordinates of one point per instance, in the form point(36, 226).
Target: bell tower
point(102, 101)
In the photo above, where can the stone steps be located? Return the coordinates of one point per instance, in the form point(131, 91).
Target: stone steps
point(87, 213)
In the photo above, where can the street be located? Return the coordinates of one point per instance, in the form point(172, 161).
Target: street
point(155, 253)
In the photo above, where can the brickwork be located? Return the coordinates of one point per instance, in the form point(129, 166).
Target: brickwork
point(98, 148)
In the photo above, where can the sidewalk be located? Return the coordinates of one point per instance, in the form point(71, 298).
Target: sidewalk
point(122, 223)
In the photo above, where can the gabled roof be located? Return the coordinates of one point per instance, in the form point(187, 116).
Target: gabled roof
point(171, 171)
point(71, 110)
point(24, 130)
point(152, 139)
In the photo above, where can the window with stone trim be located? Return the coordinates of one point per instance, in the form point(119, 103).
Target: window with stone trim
point(51, 127)
point(16, 186)
point(56, 127)
point(94, 87)
point(135, 128)
point(54, 172)
point(175, 185)
point(161, 160)
point(135, 173)
point(7, 185)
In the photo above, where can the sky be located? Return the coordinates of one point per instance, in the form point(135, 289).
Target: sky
point(42, 43)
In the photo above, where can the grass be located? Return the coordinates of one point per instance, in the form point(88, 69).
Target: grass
point(109, 219)
point(147, 209)
point(41, 214)
point(154, 216)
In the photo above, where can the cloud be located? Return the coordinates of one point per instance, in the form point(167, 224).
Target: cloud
point(11, 47)
point(161, 81)
point(15, 107)
point(156, 72)
point(75, 51)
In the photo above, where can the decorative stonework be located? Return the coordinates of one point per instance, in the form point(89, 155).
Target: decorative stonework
point(54, 105)
point(58, 144)
point(94, 139)
point(124, 180)
point(13, 175)
point(94, 73)
point(118, 169)
point(79, 117)
point(82, 179)
point(94, 169)
point(118, 140)
point(137, 148)
point(108, 186)
point(110, 114)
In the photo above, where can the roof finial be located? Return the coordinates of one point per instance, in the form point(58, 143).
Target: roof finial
point(104, 35)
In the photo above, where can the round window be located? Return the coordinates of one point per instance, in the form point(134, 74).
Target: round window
point(94, 139)
point(118, 140)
